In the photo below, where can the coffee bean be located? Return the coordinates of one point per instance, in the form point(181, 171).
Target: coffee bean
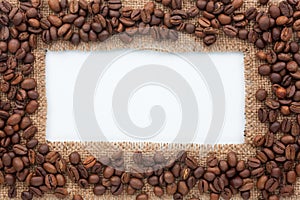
point(209, 40)
point(60, 180)
point(232, 159)
point(286, 9)
point(198, 172)
point(264, 70)
point(50, 181)
point(158, 191)
point(18, 164)
point(142, 197)
point(182, 188)
point(169, 177)
point(236, 182)
point(261, 94)
point(37, 181)
point(83, 183)
point(223, 165)
point(26, 195)
point(77, 197)
point(50, 168)
point(209, 176)
point(271, 185)
point(108, 172)
point(218, 184)
point(29, 132)
point(89, 162)
point(99, 190)
point(212, 161)
point(94, 179)
point(263, 2)
point(224, 19)
point(176, 4)
point(254, 162)
point(262, 115)
point(264, 23)
point(61, 193)
point(54, 5)
point(74, 158)
point(20, 149)
point(136, 183)
point(287, 190)
point(82, 171)
point(230, 31)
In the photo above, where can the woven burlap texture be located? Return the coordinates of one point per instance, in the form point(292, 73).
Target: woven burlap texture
point(186, 43)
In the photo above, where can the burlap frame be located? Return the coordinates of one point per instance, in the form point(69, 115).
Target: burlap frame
point(186, 43)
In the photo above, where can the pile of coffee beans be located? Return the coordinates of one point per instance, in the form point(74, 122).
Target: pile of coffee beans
point(274, 169)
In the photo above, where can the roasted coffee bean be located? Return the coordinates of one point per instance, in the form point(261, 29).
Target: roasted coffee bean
point(254, 162)
point(259, 140)
point(218, 184)
point(212, 161)
point(142, 197)
point(74, 158)
point(271, 184)
point(50, 181)
point(264, 23)
point(20, 149)
point(136, 183)
point(209, 40)
point(77, 197)
point(236, 182)
point(286, 34)
point(60, 180)
point(29, 132)
point(89, 162)
point(182, 188)
point(82, 171)
point(290, 152)
point(272, 103)
point(264, 70)
point(37, 181)
point(94, 179)
point(232, 159)
point(73, 174)
point(18, 164)
point(176, 4)
point(286, 9)
point(209, 176)
point(83, 183)
point(263, 2)
point(50, 168)
point(61, 192)
point(198, 172)
point(26, 195)
point(230, 31)
point(169, 177)
point(108, 172)
point(261, 94)
point(273, 116)
point(54, 5)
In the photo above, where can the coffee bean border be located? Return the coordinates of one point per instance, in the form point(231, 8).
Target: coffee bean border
point(273, 170)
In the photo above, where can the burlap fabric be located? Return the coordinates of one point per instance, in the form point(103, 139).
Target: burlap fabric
point(186, 43)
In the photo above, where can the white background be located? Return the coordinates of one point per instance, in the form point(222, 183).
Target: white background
point(62, 69)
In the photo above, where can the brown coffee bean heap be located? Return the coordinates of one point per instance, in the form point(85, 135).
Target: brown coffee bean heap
point(19, 27)
point(110, 18)
point(276, 164)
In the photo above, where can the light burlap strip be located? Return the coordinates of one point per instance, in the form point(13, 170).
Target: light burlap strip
point(186, 43)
